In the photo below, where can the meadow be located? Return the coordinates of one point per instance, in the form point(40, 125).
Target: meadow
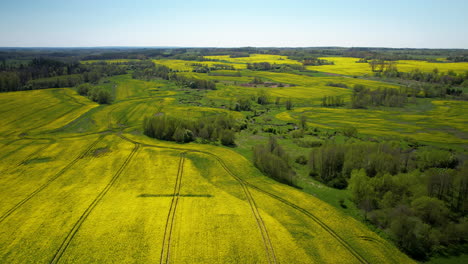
point(81, 183)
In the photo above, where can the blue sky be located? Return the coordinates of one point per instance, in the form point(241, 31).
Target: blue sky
point(209, 23)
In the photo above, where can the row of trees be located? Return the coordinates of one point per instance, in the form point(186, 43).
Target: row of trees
point(363, 97)
point(205, 68)
point(446, 78)
point(266, 66)
point(95, 93)
point(316, 62)
point(211, 128)
point(332, 164)
point(46, 73)
point(333, 101)
point(262, 98)
point(272, 160)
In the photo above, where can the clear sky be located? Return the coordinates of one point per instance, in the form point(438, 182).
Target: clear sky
point(218, 23)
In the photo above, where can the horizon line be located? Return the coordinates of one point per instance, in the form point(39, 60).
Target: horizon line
point(214, 47)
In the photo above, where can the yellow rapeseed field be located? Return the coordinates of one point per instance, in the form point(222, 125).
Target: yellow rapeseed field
point(80, 183)
point(348, 66)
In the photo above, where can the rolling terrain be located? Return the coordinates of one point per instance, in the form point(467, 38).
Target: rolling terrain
point(80, 183)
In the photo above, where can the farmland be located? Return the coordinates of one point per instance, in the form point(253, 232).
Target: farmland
point(84, 182)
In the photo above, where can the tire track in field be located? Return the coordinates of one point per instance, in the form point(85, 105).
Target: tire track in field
point(78, 106)
point(323, 225)
point(261, 224)
point(166, 243)
point(15, 150)
point(16, 108)
point(47, 123)
point(43, 186)
point(31, 114)
point(258, 218)
point(8, 168)
point(315, 219)
point(63, 247)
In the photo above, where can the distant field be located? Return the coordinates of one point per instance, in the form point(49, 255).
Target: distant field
point(348, 66)
point(255, 58)
point(426, 126)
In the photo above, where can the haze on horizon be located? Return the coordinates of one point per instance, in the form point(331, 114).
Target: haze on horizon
point(210, 23)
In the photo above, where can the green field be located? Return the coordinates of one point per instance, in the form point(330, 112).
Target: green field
point(80, 183)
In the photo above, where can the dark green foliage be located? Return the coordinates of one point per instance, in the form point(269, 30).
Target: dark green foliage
point(43, 73)
point(266, 66)
point(332, 163)
point(327, 165)
point(340, 85)
point(181, 130)
point(289, 104)
point(239, 55)
point(95, 93)
point(301, 160)
point(316, 62)
point(83, 89)
point(192, 83)
point(243, 104)
point(272, 160)
point(332, 101)
point(262, 97)
point(424, 212)
point(205, 68)
point(449, 78)
point(228, 137)
point(364, 97)
point(148, 70)
point(349, 131)
point(430, 157)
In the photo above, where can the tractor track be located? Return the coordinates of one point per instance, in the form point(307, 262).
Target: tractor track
point(261, 224)
point(46, 145)
point(315, 219)
point(166, 243)
point(71, 234)
point(43, 186)
point(246, 184)
point(31, 114)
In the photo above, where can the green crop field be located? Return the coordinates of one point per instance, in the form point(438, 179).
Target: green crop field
point(81, 183)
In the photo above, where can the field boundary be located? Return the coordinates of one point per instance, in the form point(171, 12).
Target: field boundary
point(71, 234)
point(165, 253)
point(57, 175)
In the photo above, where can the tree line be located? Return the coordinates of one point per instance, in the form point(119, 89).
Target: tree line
point(424, 212)
point(209, 129)
point(95, 93)
point(43, 73)
point(316, 62)
point(266, 66)
point(272, 160)
point(332, 164)
point(364, 97)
